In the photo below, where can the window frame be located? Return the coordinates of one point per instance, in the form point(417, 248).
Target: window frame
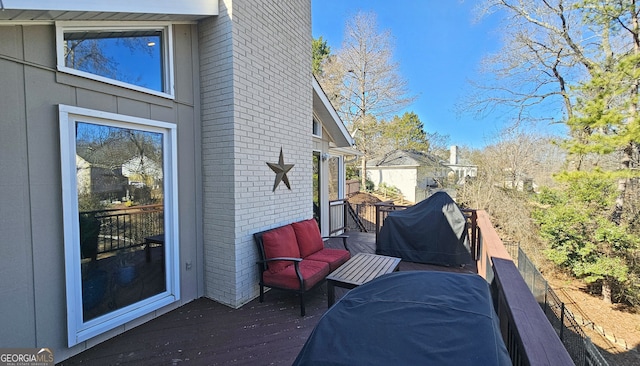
point(77, 329)
point(316, 126)
point(168, 81)
point(341, 174)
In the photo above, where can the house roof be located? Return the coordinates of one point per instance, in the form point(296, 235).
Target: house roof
point(324, 112)
point(404, 158)
point(94, 157)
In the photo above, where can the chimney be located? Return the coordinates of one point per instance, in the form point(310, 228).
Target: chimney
point(453, 155)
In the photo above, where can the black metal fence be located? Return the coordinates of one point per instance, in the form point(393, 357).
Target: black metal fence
point(365, 213)
point(127, 227)
point(579, 346)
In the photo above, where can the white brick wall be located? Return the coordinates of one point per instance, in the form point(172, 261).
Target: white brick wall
point(256, 98)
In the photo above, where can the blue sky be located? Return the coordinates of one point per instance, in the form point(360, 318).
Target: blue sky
point(438, 47)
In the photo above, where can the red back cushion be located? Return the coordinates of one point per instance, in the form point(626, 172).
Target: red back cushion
point(280, 242)
point(308, 235)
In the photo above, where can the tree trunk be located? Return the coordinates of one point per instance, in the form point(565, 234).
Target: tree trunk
point(627, 156)
point(606, 291)
point(625, 164)
point(363, 173)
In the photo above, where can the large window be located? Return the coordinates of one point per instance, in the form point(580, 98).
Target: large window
point(120, 220)
point(133, 56)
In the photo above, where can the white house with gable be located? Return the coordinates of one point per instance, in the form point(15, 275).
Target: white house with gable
point(417, 174)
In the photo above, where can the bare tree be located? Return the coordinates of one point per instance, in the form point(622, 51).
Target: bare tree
point(516, 159)
point(542, 56)
point(363, 82)
point(560, 55)
point(504, 169)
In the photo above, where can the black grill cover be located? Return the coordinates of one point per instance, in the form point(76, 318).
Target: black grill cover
point(410, 318)
point(433, 231)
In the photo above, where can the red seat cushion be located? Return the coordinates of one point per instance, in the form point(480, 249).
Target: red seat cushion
point(280, 242)
point(312, 273)
point(334, 257)
point(308, 235)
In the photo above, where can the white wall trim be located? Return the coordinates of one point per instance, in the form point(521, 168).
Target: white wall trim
point(186, 7)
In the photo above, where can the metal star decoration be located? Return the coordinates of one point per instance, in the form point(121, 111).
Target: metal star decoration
point(281, 169)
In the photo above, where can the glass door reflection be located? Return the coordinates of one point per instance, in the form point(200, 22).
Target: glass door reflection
point(119, 174)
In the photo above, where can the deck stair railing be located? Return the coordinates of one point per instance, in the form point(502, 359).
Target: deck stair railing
point(354, 216)
point(343, 217)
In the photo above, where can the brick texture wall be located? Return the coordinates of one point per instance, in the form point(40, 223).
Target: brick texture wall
point(255, 72)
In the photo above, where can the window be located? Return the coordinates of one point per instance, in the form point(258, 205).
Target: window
point(316, 186)
point(137, 57)
point(120, 218)
point(334, 178)
point(317, 129)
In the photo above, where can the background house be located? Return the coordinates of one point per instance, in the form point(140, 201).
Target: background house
point(460, 170)
point(417, 174)
point(107, 182)
point(414, 173)
point(142, 171)
point(223, 88)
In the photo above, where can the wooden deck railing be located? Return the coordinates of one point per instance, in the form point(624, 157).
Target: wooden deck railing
point(530, 338)
point(527, 333)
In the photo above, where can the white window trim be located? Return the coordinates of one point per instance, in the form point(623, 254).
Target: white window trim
point(188, 7)
point(341, 174)
point(317, 121)
point(78, 330)
point(167, 57)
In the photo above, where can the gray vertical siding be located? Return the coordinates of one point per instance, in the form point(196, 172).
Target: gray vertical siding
point(32, 274)
point(16, 265)
point(242, 92)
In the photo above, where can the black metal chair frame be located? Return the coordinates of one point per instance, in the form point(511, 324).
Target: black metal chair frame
point(263, 265)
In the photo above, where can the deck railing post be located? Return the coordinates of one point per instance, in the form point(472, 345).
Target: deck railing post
point(345, 214)
point(377, 223)
point(546, 299)
point(562, 321)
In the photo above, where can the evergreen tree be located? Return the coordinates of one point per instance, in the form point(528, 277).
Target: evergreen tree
point(320, 50)
point(406, 133)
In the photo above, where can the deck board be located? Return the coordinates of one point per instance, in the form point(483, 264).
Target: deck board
point(204, 332)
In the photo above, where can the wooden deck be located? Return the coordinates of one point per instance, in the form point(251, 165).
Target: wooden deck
point(204, 332)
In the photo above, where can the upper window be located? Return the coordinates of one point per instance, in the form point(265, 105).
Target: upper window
point(137, 57)
point(317, 129)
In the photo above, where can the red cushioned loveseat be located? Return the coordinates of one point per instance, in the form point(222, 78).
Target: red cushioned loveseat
point(293, 258)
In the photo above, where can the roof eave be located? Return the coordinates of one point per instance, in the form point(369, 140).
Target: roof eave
point(329, 118)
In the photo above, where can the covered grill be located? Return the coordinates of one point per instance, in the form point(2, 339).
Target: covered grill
point(433, 231)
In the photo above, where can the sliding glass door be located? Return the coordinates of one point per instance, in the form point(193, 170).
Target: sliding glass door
point(119, 175)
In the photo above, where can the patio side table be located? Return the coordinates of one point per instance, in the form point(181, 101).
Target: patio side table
point(360, 269)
